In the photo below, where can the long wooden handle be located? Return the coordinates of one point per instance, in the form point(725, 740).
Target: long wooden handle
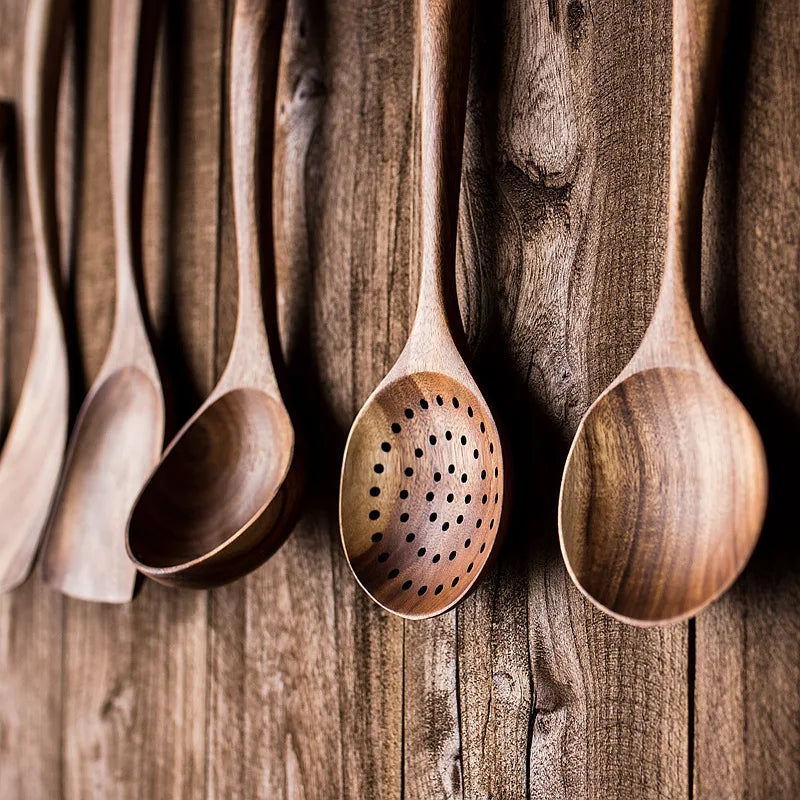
point(132, 54)
point(698, 34)
point(257, 26)
point(444, 27)
point(45, 27)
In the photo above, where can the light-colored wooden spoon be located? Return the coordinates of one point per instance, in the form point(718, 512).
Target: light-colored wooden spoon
point(665, 487)
point(222, 499)
point(34, 449)
point(422, 487)
point(119, 431)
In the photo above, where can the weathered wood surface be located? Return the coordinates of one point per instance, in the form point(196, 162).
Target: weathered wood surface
point(290, 683)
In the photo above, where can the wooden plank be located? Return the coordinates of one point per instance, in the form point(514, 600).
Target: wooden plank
point(135, 676)
point(747, 706)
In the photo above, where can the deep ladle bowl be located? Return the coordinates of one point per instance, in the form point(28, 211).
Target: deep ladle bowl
point(223, 497)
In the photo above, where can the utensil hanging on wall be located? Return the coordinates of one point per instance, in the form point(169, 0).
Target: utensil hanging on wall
point(223, 498)
point(34, 448)
point(119, 431)
point(421, 501)
point(664, 491)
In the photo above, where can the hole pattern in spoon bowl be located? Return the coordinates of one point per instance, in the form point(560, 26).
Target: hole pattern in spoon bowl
point(422, 493)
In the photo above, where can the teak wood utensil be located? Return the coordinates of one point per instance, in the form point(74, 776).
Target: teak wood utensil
point(34, 448)
point(119, 431)
point(422, 485)
point(664, 491)
point(223, 497)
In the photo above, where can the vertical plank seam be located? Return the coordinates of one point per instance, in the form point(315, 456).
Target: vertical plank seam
point(691, 678)
point(62, 694)
point(458, 711)
point(532, 694)
point(403, 717)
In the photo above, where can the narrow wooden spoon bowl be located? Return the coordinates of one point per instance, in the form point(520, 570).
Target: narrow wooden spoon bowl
point(422, 493)
point(662, 500)
point(665, 487)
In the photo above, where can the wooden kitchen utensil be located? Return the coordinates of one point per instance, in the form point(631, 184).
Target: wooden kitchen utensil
point(665, 487)
point(34, 448)
point(222, 499)
point(119, 431)
point(422, 486)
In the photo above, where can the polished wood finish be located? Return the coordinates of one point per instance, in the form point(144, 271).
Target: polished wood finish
point(520, 690)
point(665, 488)
point(34, 448)
point(421, 502)
point(119, 432)
point(222, 499)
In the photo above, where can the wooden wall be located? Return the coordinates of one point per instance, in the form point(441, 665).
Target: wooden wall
point(290, 683)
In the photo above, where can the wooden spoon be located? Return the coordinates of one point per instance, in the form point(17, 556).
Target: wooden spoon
point(119, 431)
point(422, 486)
point(665, 487)
point(222, 499)
point(34, 448)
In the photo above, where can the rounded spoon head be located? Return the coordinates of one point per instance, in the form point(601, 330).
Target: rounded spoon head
point(218, 503)
point(421, 495)
point(115, 444)
point(663, 495)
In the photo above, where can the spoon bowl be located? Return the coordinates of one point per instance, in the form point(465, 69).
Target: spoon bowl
point(115, 442)
point(422, 492)
point(218, 493)
point(666, 482)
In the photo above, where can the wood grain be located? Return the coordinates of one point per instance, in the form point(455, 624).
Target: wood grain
point(292, 683)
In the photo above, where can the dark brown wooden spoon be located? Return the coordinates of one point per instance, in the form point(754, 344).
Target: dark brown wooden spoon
point(222, 499)
point(34, 448)
point(421, 503)
point(665, 487)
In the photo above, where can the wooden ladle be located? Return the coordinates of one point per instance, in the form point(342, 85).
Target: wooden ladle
point(34, 448)
point(119, 431)
point(665, 487)
point(422, 485)
point(222, 499)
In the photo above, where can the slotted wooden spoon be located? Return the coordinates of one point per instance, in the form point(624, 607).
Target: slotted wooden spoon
point(119, 431)
point(223, 497)
point(665, 487)
point(422, 485)
point(34, 448)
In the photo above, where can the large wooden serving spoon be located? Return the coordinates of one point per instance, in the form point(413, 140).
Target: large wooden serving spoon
point(665, 487)
point(119, 431)
point(422, 485)
point(34, 449)
point(222, 499)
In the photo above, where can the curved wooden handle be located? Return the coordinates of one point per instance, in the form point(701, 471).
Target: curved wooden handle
point(45, 27)
point(698, 34)
point(255, 49)
point(444, 27)
point(132, 55)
